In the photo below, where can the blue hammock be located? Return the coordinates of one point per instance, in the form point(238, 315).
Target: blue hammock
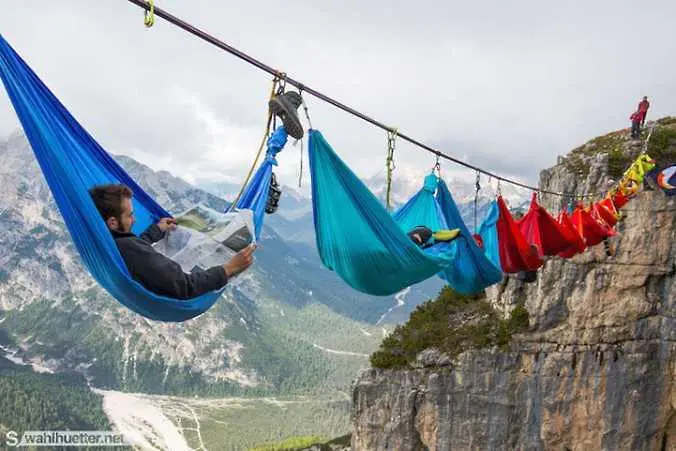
point(72, 162)
point(488, 230)
point(255, 195)
point(356, 236)
point(472, 270)
point(369, 249)
point(423, 210)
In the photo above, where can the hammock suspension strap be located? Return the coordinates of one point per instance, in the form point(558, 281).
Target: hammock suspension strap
point(275, 83)
point(477, 186)
point(389, 162)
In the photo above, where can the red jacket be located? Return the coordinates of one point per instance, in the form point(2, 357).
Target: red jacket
point(643, 106)
point(637, 116)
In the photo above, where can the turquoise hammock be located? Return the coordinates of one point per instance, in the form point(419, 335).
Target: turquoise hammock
point(471, 269)
point(474, 269)
point(356, 237)
point(488, 231)
point(369, 249)
point(72, 162)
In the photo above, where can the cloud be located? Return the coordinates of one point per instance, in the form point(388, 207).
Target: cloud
point(504, 85)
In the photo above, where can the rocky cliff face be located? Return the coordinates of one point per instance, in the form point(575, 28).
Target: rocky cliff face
point(597, 370)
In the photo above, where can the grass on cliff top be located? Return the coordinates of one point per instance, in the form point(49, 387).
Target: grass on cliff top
point(451, 323)
point(662, 147)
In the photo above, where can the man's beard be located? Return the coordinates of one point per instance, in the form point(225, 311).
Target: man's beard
point(121, 229)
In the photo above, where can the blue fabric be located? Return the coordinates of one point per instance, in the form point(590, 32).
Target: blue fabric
point(489, 234)
point(356, 236)
point(471, 270)
point(255, 195)
point(422, 209)
point(72, 162)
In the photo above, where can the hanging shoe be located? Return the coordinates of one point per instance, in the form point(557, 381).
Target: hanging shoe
point(285, 106)
point(609, 248)
point(274, 193)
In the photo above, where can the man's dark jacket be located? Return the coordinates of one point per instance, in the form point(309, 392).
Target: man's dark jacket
point(159, 273)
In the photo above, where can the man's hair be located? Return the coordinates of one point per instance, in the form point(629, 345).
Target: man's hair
point(108, 199)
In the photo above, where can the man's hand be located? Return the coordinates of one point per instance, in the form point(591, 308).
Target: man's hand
point(241, 261)
point(166, 224)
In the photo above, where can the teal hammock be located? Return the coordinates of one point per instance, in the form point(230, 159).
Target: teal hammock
point(369, 249)
point(356, 236)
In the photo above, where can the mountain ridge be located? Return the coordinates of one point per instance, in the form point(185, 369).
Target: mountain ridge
point(55, 315)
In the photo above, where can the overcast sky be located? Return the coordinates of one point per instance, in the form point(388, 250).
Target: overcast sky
point(507, 85)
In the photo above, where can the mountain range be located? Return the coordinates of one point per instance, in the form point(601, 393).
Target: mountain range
point(286, 325)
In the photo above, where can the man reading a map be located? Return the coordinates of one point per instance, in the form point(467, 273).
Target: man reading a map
point(155, 271)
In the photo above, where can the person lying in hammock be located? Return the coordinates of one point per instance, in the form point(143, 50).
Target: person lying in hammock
point(154, 271)
point(424, 237)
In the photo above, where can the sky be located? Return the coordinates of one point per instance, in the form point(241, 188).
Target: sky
point(506, 86)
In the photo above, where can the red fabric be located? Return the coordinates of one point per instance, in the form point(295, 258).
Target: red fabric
point(540, 229)
point(515, 252)
point(606, 210)
point(572, 236)
point(636, 117)
point(610, 230)
point(643, 106)
point(619, 199)
point(592, 231)
point(479, 240)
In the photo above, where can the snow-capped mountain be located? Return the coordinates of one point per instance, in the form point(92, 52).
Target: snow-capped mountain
point(260, 336)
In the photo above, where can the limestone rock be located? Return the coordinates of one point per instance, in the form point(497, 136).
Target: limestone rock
point(598, 371)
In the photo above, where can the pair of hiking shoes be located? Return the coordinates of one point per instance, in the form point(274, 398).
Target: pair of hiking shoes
point(285, 107)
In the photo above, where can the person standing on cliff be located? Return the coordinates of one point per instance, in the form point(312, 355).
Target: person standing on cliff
point(643, 106)
point(635, 124)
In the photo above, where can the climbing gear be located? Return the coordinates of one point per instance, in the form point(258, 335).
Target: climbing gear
point(266, 133)
point(437, 167)
point(477, 187)
point(389, 164)
point(302, 151)
point(149, 14)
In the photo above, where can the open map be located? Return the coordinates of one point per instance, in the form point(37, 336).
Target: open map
point(205, 237)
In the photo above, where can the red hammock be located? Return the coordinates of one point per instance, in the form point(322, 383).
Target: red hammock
point(515, 252)
point(540, 229)
point(572, 236)
point(592, 228)
point(619, 199)
point(606, 210)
